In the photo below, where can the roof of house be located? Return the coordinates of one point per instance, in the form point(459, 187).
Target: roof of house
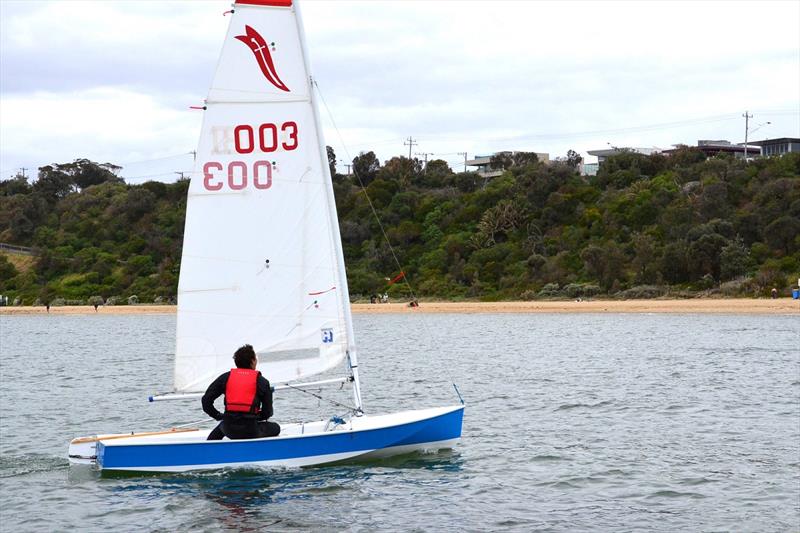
point(616, 151)
point(775, 141)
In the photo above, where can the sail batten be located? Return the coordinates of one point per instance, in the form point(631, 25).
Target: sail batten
point(261, 259)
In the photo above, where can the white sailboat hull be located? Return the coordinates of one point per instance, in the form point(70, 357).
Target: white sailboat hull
point(299, 445)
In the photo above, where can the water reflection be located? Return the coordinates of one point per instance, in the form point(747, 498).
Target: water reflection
point(254, 498)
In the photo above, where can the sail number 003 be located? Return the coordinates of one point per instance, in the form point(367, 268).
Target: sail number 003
point(246, 139)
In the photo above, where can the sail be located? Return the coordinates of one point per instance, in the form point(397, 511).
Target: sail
point(261, 259)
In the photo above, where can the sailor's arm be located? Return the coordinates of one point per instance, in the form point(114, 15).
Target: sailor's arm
point(265, 393)
point(214, 391)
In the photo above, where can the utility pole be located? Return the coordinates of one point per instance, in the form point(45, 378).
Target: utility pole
point(194, 155)
point(465, 159)
point(747, 118)
point(23, 169)
point(425, 155)
point(348, 168)
point(411, 142)
point(181, 174)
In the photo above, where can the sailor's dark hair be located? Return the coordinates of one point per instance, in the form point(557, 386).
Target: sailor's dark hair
point(243, 357)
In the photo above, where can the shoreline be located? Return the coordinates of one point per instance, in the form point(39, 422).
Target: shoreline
point(778, 306)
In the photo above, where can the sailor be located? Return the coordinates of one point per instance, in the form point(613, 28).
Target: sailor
point(248, 400)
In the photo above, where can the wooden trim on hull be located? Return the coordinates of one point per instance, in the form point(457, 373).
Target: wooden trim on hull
point(83, 440)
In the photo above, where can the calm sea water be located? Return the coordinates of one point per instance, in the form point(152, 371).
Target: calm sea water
point(573, 423)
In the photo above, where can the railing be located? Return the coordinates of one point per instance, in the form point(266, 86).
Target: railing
point(14, 249)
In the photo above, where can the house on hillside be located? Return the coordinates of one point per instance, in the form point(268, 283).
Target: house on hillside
point(716, 147)
point(779, 146)
point(589, 169)
point(604, 154)
point(483, 162)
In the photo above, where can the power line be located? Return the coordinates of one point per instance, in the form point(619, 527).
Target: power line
point(465, 159)
point(158, 158)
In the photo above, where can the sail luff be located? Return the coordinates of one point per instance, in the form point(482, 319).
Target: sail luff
point(343, 292)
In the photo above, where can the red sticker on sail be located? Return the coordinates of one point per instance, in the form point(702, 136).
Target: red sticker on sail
point(260, 48)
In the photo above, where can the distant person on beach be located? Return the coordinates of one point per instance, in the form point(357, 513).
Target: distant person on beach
point(95, 308)
point(774, 293)
point(48, 306)
point(248, 400)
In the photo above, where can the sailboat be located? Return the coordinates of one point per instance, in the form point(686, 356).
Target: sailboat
point(262, 263)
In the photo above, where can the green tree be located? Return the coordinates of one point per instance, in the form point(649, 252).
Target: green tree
point(331, 160)
point(436, 174)
point(365, 167)
point(645, 259)
point(7, 270)
point(16, 185)
point(675, 263)
point(508, 160)
point(604, 264)
point(782, 234)
point(401, 169)
point(704, 255)
point(734, 260)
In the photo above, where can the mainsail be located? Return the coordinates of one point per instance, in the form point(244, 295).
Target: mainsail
point(261, 257)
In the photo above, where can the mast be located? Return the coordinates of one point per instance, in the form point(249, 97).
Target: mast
point(344, 293)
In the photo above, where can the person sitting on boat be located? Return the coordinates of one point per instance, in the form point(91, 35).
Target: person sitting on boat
point(248, 400)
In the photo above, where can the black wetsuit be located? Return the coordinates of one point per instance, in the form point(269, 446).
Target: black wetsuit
point(241, 425)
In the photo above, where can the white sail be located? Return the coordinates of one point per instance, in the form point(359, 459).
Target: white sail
point(261, 257)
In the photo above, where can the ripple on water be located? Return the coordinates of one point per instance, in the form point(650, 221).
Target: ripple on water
point(569, 406)
point(675, 494)
point(22, 465)
point(607, 422)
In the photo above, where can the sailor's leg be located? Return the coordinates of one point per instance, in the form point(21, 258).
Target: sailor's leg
point(216, 433)
point(240, 428)
point(268, 429)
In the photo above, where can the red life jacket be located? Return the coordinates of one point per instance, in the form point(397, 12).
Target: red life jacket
point(240, 392)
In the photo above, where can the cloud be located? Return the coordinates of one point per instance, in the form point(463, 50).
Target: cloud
point(457, 76)
point(102, 124)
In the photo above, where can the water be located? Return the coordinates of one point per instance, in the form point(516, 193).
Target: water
point(573, 422)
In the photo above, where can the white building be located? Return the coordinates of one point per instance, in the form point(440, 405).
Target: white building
point(483, 162)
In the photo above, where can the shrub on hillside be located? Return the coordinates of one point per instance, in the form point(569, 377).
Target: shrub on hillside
point(528, 295)
point(742, 286)
point(551, 290)
point(643, 292)
point(581, 290)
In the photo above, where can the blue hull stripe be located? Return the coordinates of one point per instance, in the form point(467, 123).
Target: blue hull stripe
point(443, 427)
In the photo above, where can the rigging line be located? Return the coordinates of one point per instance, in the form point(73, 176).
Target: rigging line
point(334, 402)
point(589, 133)
point(383, 231)
point(151, 177)
point(364, 190)
point(375, 143)
point(155, 159)
point(196, 422)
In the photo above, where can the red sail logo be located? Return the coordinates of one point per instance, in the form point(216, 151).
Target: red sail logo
point(260, 48)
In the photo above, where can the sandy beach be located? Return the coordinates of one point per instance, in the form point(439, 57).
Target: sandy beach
point(699, 305)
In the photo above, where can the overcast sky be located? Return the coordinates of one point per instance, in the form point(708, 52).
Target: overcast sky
point(112, 81)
